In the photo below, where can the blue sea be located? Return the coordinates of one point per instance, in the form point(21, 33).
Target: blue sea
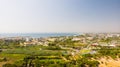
point(36, 35)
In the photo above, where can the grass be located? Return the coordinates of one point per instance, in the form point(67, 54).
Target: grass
point(13, 57)
point(84, 51)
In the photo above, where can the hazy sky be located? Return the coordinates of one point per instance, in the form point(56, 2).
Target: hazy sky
point(20, 16)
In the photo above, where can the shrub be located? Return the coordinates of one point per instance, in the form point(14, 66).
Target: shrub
point(9, 65)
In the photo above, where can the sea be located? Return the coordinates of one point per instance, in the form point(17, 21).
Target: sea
point(36, 35)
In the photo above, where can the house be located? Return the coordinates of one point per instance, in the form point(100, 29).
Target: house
point(29, 43)
point(51, 39)
point(94, 44)
point(76, 39)
point(112, 45)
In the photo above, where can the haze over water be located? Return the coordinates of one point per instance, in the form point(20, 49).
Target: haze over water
point(36, 35)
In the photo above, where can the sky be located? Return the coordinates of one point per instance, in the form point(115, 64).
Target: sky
point(24, 16)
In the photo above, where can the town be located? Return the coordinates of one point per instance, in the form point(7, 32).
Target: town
point(60, 51)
